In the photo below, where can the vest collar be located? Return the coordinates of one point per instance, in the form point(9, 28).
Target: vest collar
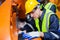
point(41, 17)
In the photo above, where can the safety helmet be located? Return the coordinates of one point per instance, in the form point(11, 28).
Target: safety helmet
point(30, 5)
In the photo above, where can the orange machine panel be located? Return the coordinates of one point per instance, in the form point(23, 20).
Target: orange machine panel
point(5, 20)
point(13, 16)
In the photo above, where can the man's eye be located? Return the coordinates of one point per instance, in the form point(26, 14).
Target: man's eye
point(35, 8)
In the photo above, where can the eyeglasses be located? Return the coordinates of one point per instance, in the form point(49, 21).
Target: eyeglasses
point(38, 6)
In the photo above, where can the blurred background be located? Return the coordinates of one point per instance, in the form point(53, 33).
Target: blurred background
point(11, 11)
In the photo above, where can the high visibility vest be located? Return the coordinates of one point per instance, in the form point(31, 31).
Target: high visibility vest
point(41, 6)
point(48, 6)
point(45, 22)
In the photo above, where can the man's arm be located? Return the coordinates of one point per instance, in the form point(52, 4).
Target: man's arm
point(53, 30)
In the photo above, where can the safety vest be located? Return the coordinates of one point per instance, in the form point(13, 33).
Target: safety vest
point(48, 6)
point(41, 6)
point(45, 22)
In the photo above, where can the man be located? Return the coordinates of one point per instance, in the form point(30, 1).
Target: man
point(46, 22)
point(51, 6)
point(41, 4)
point(48, 5)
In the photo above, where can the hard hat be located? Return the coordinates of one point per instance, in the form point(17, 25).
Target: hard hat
point(30, 5)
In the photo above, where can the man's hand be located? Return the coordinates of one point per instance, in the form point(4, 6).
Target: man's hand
point(41, 34)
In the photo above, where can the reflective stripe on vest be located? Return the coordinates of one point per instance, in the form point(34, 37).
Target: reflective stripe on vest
point(37, 24)
point(48, 6)
point(45, 23)
point(41, 6)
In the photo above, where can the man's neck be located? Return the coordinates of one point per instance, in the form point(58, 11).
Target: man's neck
point(41, 13)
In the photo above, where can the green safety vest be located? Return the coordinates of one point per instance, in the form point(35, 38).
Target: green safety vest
point(45, 22)
point(41, 6)
point(48, 6)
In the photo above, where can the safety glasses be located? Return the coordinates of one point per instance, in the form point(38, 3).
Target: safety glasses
point(38, 6)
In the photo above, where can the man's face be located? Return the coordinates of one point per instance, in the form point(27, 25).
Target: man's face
point(35, 13)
